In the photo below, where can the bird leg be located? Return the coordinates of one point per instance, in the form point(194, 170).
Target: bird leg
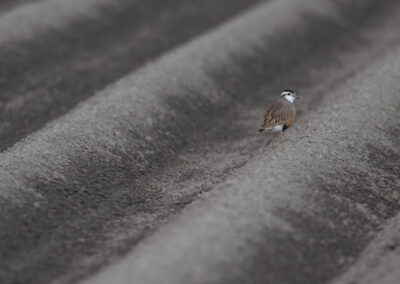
point(280, 136)
point(273, 140)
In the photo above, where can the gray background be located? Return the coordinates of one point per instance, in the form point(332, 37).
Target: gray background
point(130, 151)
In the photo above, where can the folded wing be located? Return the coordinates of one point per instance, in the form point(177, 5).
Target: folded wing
point(277, 114)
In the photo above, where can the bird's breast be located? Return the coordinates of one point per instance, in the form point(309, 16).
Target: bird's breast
point(290, 121)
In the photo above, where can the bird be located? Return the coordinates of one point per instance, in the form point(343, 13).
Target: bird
point(281, 114)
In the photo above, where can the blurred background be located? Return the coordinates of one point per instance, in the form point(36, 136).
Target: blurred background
point(129, 150)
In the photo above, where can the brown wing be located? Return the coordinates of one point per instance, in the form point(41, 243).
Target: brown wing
point(278, 113)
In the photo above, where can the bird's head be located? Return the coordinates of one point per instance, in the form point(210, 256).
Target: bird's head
point(289, 95)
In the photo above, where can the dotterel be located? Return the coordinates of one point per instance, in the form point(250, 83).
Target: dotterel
point(281, 114)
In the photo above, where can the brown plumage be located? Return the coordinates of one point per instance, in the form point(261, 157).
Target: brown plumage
point(281, 112)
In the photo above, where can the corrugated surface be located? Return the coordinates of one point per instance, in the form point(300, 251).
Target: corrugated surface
point(114, 173)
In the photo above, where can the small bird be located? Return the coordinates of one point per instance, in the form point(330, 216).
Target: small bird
point(281, 114)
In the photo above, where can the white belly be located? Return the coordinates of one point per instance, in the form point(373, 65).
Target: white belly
point(277, 128)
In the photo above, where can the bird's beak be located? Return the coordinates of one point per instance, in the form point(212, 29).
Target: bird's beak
point(298, 98)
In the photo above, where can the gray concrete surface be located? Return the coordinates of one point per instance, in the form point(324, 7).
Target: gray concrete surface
point(295, 214)
point(51, 63)
point(379, 262)
point(119, 171)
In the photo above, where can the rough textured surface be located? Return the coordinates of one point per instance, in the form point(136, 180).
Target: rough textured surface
point(115, 172)
point(49, 64)
point(379, 262)
point(316, 207)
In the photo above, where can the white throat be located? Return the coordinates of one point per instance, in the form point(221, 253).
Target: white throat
point(289, 98)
